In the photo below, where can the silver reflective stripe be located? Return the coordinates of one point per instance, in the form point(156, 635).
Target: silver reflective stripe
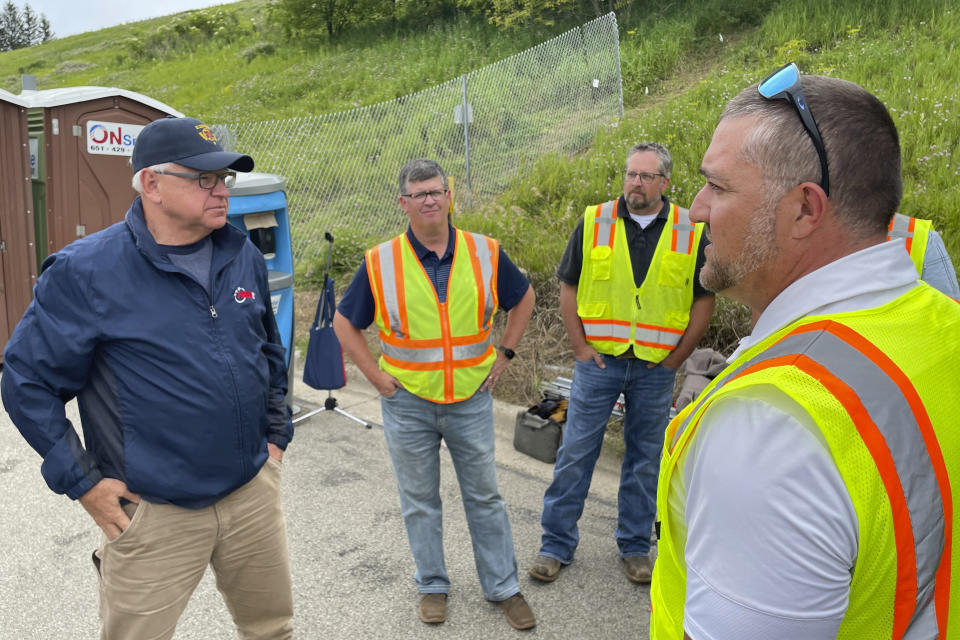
point(890, 411)
point(389, 283)
point(468, 351)
point(432, 354)
point(657, 337)
point(683, 228)
point(924, 625)
point(900, 227)
point(435, 354)
point(486, 274)
point(605, 222)
point(602, 330)
point(606, 330)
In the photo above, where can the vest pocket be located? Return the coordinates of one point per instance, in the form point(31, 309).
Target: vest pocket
point(601, 260)
point(593, 310)
point(674, 269)
point(677, 319)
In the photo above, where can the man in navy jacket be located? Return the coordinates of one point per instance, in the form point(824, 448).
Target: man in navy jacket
point(161, 326)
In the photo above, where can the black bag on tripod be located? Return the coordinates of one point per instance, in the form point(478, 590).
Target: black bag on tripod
point(324, 367)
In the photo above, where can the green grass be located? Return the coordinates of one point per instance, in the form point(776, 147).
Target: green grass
point(899, 51)
point(244, 68)
point(681, 62)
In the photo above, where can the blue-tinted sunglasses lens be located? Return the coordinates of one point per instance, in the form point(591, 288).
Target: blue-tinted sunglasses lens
point(780, 81)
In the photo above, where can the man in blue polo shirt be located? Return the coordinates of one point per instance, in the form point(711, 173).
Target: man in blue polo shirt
point(433, 291)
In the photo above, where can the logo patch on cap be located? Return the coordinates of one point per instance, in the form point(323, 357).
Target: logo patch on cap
point(205, 132)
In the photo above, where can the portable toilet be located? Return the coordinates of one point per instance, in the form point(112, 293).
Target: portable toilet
point(18, 266)
point(258, 207)
point(84, 139)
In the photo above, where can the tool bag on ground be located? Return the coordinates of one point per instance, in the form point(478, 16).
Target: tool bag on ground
point(539, 429)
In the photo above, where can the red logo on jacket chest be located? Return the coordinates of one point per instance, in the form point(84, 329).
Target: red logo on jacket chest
point(241, 295)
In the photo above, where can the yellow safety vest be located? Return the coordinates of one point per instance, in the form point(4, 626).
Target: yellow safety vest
point(885, 397)
point(616, 314)
point(914, 233)
point(439, 351)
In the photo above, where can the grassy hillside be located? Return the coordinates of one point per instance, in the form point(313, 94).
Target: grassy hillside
point(233, 62)
point(896, 50)
point(904, 53)
point(681, 62)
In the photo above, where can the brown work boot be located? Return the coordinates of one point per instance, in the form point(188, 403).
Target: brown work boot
point(639, 569)
point(518, 612)
point(433, 608)
point(545, 569)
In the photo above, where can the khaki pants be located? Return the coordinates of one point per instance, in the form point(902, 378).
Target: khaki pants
point(148, 573)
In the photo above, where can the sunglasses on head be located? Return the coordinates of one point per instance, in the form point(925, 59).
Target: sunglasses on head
point(784, 84)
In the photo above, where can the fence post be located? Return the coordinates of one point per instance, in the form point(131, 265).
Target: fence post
point(466, 142)
point(616, 46)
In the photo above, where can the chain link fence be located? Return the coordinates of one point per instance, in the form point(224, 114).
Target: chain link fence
point(341, 168)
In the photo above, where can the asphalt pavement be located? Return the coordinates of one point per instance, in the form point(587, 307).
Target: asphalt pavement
point(352, 569)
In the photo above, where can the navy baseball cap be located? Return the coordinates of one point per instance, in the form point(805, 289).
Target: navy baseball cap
point(185, 141)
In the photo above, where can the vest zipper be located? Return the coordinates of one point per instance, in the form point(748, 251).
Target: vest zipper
point(213, 312)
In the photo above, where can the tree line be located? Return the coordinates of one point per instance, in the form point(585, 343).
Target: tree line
point(331, 17)
point(22, 28)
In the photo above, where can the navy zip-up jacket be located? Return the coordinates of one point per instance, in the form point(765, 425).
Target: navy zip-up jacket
point(179, 390)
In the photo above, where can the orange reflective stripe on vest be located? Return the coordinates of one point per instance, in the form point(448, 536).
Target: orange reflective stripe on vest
point(914, 233)
point(902, 226)
point(618, 331)
point(389, 293)
point(896, 429)
point(443, 352)
point(682, 230)
point(617, 313)
point(483, 274)
point(605, 225)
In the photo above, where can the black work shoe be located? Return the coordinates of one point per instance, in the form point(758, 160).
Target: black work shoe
point(545, 569)
point(433, 608)
point(518, 612)
point(639, 569)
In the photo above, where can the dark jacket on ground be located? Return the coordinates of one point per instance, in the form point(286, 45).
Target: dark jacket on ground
point(179, 390)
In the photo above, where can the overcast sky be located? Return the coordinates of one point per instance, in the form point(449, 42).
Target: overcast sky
point(68, 17)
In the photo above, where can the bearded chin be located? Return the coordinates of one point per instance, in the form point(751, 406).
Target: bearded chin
point(637, 202)
point(717, 276)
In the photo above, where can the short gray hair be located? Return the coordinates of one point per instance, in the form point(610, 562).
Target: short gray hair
point(663, 156)
point(137, 186)
point(419, 170)
point(861, 142)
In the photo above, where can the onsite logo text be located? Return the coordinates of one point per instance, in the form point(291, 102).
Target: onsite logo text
point(112, 138)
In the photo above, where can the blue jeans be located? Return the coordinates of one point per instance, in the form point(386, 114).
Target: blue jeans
point(648, 394)
point(413, 428)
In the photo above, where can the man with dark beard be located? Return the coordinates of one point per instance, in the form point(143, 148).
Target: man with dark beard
point(811, 489)
point(634, 310)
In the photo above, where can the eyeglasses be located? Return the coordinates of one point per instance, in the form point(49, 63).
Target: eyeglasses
point(645, 178)
point(784, 84)
point(206, 180)
point(421, 196)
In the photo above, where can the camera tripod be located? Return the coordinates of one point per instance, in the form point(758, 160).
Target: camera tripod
point(330, 404)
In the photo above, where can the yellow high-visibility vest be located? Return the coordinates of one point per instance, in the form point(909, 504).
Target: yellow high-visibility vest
point(914, 233)
point(439, 351)
point(618, 315)
point(884, 395)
